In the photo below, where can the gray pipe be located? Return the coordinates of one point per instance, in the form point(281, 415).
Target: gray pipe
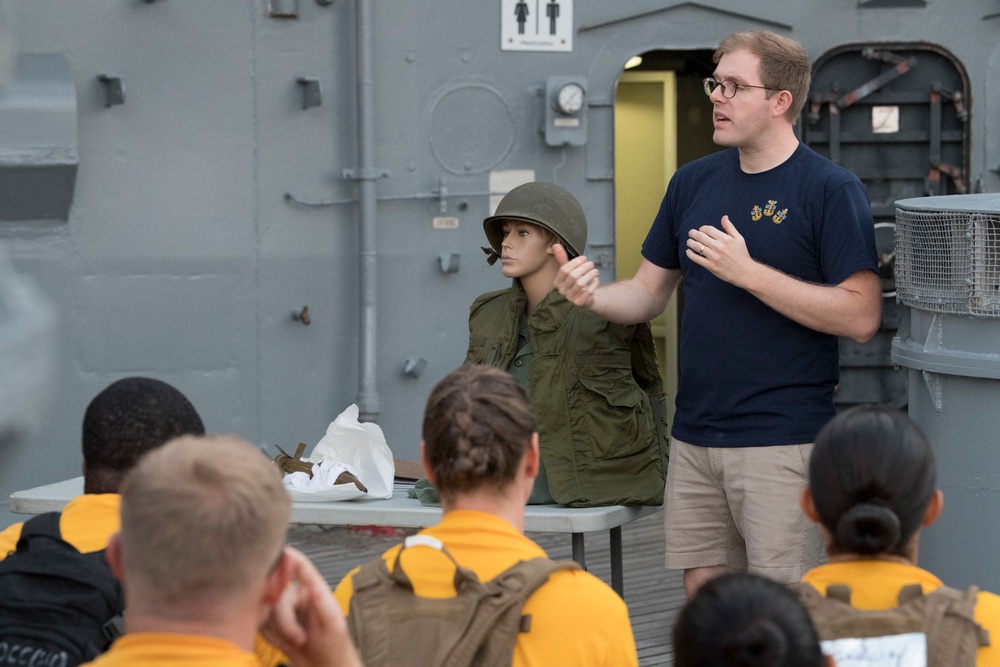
point(368, 399)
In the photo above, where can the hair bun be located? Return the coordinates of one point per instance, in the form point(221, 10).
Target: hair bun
point(761, 644)
point(868, 529)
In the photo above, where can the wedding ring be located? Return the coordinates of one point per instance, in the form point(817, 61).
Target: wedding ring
point(701, 251)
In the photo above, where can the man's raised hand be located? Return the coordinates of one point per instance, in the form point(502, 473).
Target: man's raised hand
point(307, 624)
point(577, 279)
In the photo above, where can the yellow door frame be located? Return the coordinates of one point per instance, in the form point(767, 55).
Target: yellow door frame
point(645, 159)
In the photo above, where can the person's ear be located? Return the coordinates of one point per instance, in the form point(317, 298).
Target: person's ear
point(277, 579)
point(808, 505)
point(532, 458)
point(782, 101)
point(553, 240)
point(426, 466)
point(934, 508)
point(113, 554)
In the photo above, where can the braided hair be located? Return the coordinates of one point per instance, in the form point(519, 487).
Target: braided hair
point(477, 426)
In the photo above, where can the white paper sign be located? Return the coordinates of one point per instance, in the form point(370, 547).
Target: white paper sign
point(502, 182)
point(906, 650)
point(885, 119)
point(536, 25)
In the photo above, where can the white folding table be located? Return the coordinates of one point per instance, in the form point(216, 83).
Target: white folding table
point(402, 512)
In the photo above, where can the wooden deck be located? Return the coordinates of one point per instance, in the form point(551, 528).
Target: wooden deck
point(653, 594)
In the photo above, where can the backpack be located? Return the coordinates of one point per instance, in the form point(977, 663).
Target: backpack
point(58, 607)
point(941, 625)
point(393, 627)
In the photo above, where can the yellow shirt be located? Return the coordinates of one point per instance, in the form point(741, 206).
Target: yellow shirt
point(87, 522)
point(576, 619)
point(149, 649)
point(876, 585)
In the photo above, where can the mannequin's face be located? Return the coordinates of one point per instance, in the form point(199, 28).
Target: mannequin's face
point(525, 249)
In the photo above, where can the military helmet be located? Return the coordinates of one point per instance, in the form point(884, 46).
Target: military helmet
point(543, 204)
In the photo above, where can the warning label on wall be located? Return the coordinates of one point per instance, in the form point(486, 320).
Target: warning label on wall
point(536, 25)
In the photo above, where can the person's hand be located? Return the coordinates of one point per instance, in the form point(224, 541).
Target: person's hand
point(307, 624)
point(577, 279)
point(721, 251)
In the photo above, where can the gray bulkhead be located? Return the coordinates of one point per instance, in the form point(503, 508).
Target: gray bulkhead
point(217, 179)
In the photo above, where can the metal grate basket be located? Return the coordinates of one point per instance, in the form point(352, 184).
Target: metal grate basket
point(948, 254)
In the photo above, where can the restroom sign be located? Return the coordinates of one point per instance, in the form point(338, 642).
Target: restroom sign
point(536, 25)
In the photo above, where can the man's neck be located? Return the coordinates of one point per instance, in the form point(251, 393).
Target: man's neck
point(101, 479)
point(238, 628)
point(768, 154)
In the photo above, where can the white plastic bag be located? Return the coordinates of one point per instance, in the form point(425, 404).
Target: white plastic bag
point(362, 449)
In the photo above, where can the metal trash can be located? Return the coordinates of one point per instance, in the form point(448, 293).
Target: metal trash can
point(948, 273)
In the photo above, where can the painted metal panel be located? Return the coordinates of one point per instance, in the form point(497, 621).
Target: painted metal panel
point(188, 179)
point(897, 115)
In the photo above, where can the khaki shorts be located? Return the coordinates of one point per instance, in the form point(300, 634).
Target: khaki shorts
point(739, 507)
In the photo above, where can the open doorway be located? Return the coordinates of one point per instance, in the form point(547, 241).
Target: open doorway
point(662, 121)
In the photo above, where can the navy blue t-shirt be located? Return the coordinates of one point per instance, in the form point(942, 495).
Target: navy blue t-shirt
point(750, 376)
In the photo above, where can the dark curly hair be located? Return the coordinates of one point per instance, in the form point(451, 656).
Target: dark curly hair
point(126, 420)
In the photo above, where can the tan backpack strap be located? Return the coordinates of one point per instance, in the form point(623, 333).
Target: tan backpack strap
point(840, 592)
point(529, 577)
point(909, 593)
point(953, 633)
point(983, 635)
point(972, 597)
point(526, 577)
point(514, 585)
point(369, 582)
point(463, 576)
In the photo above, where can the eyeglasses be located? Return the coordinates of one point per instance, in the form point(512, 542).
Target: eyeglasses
point(729, 88)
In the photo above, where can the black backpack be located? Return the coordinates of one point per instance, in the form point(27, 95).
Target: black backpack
point(58, 607)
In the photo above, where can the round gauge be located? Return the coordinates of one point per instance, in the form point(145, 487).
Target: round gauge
point(570, 98)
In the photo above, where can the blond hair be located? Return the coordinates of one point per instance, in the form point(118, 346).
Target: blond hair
point(784, 64)
point(202, 518)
